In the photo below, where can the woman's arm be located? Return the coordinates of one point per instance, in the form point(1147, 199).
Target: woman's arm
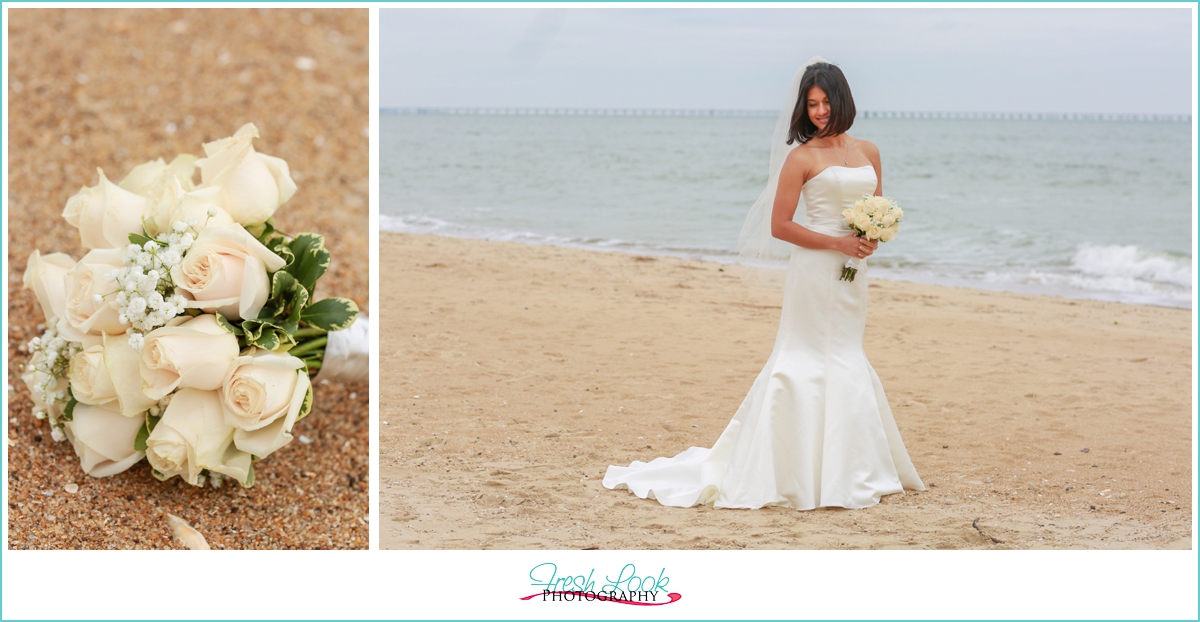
point(872, 152)
point(791, 181)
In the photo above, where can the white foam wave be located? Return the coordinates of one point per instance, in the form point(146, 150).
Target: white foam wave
point(1119, 272)
point(1128, 264)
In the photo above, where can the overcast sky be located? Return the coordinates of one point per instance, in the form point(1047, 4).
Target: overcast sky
point(1112, 60)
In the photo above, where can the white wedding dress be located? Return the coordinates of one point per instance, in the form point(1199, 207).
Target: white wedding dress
point(815, 429)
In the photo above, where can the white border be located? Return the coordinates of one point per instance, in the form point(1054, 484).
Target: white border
point(374, 287)
point(474, 584)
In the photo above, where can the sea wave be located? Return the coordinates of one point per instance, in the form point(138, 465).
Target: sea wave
point(1122, 264)
point(1113, 272)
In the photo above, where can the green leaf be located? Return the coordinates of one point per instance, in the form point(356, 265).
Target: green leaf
point(307, 405)
point(249, 476)
point(69, 411)
point(140, 240)
point(267, 333)
point(312, 260)
point(252, 329)
point(139, 442)
point(283, 288)
point(269, 340)
point(330, 314)
point(281, 283)
point(229, 326)
point(280, 247)
point(287, 300)
point(292, 323)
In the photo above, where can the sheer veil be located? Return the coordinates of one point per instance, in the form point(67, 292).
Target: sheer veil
point(762, 259)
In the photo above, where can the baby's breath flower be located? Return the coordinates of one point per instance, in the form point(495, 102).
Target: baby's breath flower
point(145, 296)
point(46, 372)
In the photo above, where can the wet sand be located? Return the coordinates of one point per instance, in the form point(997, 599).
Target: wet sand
point(513, 375)
point(112, 89)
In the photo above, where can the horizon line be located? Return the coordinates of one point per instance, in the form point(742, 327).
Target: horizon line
point(739, 112)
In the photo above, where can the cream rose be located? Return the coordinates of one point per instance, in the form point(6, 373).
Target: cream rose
point(888, 219)
point(188, 352)
point(90, 383)
point(107, 375)
point(263, 397)
point(862, 221)
point(192, 436)
point(225, 271)
point(877, 205)
point(103, 439)
point(255, 184)
point(170, 204)
point(88, 278)
point(872, 233)
point(105, 214)
point(45, 276)
point(144, 177)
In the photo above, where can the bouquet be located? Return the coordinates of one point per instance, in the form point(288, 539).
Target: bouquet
point(187, 332)
point(874, 218)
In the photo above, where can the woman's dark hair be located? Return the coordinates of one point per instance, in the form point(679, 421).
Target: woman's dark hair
point(841, 103)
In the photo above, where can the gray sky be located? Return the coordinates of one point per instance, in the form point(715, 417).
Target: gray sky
point(1112, 60)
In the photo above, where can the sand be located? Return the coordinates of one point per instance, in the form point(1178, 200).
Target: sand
point(114, 88)
point(513, 375)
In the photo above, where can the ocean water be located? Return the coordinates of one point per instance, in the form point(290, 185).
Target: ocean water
point(1085, 209)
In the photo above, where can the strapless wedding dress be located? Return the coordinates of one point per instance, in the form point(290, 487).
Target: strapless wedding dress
point(815, 429)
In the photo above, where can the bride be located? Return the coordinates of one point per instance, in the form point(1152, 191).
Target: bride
point(815, 429)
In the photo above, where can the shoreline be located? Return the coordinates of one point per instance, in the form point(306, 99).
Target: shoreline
point(513, 375)
point(633, 248)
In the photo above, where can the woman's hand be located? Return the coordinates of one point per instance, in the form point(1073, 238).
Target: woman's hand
point(854, 246)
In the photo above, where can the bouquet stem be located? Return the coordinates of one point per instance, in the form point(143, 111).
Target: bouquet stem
point(848, 272)
point(309, 332)
point(310, 346)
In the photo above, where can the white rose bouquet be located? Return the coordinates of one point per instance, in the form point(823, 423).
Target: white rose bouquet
point(874, 218)
point(188, 331)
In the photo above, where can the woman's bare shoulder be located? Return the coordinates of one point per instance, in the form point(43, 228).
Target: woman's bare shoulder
point(867, 147)
point(801, 157)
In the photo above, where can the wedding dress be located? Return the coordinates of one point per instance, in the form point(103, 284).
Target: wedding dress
point(815, 429)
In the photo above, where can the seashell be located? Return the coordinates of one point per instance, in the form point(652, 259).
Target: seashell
point(188, 536)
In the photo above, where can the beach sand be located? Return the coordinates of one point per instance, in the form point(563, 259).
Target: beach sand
point(513, 375)
point(95, 88)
